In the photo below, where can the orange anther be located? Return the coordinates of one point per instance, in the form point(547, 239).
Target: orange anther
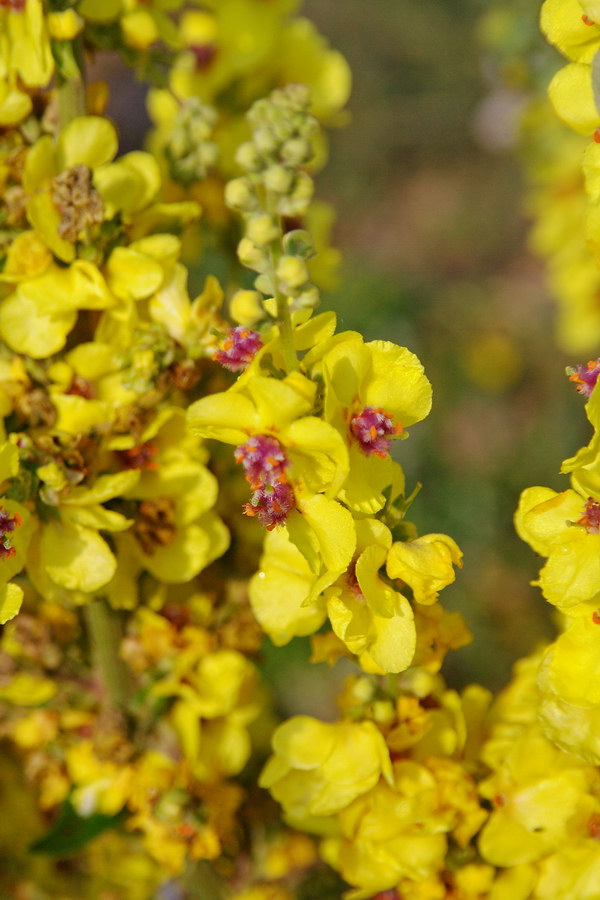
point(596, 617)
point(587, 21)
point(596, 136)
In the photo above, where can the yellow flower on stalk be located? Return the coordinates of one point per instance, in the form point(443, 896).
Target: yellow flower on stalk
point(566, 25)
point(293, 462)
point(37, 317)
point(541, 797)
point(25, 56)
point(67, 556)
point(100, 786)
point(572, 872)
point(572, 96)
point(395, 831)
point(175, 531)
point(216, 698)
point(372, 391)
point(565, 527)
point(570, 701)
point(63, 201)
point(375, 621)
point(318, 769)
point(278, 590)
point(424, 564)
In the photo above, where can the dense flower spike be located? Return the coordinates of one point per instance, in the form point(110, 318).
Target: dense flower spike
point(131, 704)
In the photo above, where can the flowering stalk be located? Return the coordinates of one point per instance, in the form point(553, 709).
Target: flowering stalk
point(105, 636)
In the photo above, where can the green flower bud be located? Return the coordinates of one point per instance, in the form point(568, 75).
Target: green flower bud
point(245, 308)
point(247, 157)
point(262, 229)
point(252, 256)
point(279, 179)
point(265, 141)
point(296, 203)
point(239, 194)
point(296, 151)
point(292, 273)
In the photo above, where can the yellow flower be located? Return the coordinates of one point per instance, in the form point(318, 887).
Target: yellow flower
point(563, 23)
point(541, 798)
point(562, 527)
point(63, 201)
point(280, 587)
point(318, 769)
point(572, 872)
point(570, 708)
point(394, 831)
point(24, 44)
point(67, 555)
point(100, 785)
point(374, 621)
point(175, 531)
point(37, 317)
point(424, 564)
point(373, 391)
point(572, 95)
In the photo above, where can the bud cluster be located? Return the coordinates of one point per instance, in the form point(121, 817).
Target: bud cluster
point(190, 152)
point(276, 187)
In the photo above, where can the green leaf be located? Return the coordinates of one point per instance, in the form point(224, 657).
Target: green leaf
point(72, 832)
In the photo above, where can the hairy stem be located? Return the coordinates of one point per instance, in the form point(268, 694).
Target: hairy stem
point(104, 631)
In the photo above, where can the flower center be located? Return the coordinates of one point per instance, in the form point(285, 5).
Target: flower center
point(204, 55)
point(585, 377)
point(8, 524)
point(591, 517)
point(140, 457)
point(155, 524)
point(77, 200)
point(374, 430)
point(239, 349)
point(265, 464)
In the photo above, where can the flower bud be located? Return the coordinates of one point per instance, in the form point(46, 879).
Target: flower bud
point(247, 157)
point(296, 151)
point(245, 307)
point(265, 141)
point(251, 255)
point(278, 178)
point(292, 273)
point(262, 229)
point(239, 194)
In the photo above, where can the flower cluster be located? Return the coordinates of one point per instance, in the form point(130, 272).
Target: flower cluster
point(136, 597)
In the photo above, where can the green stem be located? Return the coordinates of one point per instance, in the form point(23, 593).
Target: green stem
point(104, 631)
point(286, 331)
point(71, 90)
point(284, 317)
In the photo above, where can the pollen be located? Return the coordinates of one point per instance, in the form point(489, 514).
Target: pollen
point(374, 429)
point(8, 524)
point(591, 516)
point(585, 376)
point(239, 349)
